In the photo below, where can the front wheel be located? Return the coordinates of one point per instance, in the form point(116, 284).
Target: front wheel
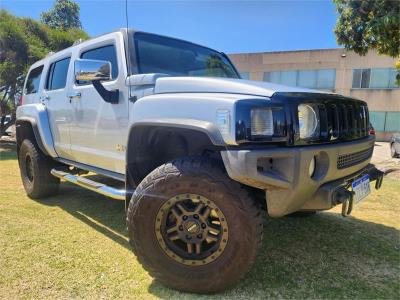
point(192, 227)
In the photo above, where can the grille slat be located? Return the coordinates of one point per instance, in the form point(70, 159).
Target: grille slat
point(351, 159)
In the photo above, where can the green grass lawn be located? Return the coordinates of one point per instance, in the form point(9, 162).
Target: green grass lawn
point(75, 245)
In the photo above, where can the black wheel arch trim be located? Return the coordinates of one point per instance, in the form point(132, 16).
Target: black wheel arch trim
point(204, 127)
point(19, 122)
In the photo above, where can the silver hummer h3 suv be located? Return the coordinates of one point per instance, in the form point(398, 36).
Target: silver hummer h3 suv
point(200, 150)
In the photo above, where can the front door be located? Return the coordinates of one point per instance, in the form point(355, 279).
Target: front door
point(59, 110)
point(99, 134)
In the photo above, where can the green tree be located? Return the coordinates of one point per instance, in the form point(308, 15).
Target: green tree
point(22, 42)
point(369, 24)
point(64, 15)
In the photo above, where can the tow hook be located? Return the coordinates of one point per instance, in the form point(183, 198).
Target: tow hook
point(378, 176)
point(347, 205)
point(345, 197)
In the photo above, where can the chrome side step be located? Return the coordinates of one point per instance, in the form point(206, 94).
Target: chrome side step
point(91, 185)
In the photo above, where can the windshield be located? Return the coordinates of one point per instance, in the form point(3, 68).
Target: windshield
point(157, 54)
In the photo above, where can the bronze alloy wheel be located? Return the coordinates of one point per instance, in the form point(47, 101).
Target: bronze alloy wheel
point(191, 229)
point(205, 229)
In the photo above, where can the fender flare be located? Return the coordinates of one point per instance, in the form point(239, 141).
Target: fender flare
point(207, 129)
point(37, 117)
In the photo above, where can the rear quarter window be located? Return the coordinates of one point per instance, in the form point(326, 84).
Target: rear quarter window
point(33, 81)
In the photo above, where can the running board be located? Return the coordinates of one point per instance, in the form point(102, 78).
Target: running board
point(90, 185)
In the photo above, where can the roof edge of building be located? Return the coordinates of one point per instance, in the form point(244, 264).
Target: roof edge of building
point(286, 51)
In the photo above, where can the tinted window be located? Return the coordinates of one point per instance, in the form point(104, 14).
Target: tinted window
point(376, 78)
point(158, 54)
point(106, 53)
point(289, 78)
point(57, 77)
point(365, 75)
point(307, 78)
point(357, 78)
point(32, 83)
point(316, 79)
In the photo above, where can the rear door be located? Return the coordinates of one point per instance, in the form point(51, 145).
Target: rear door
point(59, 108)
point(100, 129)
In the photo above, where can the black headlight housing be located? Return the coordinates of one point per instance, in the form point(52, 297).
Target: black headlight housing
point(276, 129)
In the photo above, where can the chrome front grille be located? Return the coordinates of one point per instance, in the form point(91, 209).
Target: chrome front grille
point(351, 159)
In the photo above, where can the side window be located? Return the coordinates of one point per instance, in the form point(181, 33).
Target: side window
point(107, 53)
point(57, 76)
point(32, 83)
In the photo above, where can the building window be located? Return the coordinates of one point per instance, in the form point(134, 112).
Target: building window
point(385, 121)
point(376, 78)
point(245, 75)
point(392, 121)
point(316, 79)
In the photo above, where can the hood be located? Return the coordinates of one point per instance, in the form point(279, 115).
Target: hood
point(222, 85)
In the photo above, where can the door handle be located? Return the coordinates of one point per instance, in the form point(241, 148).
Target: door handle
point(74, 95)
point(45, 98)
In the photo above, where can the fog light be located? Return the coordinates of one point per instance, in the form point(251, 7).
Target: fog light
point(311, 167)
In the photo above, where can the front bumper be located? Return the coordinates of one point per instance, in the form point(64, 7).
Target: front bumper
point(284, 173)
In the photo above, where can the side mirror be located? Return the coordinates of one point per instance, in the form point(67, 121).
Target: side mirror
point(90, 70)
point(96, 71)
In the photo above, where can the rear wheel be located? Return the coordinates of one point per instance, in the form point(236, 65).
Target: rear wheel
point(35, 170)
point(192, 227)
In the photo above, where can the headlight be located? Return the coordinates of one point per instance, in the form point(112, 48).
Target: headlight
point(262, 122)
point(308, 121)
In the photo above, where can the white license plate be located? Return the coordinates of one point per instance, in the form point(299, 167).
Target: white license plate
point(361, 188)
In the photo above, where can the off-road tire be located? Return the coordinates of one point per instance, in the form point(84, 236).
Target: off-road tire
point(208, 178)
point(37, 181)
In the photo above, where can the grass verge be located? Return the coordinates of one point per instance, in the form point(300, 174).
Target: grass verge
point(75, 245)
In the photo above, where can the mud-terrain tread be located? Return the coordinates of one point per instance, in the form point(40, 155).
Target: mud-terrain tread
point(44, 184)
point(198, 167)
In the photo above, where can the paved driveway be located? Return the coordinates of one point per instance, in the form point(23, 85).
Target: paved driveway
point(382, 159)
